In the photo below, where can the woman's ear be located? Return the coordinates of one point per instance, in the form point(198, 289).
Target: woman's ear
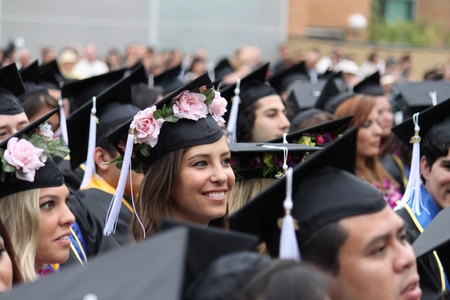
point(101, 156)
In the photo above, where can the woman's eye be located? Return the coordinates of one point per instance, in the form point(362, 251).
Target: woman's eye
point(366, 124)
point(48, 205)
point(226, 161)
point(2, 250)
point(200, 164)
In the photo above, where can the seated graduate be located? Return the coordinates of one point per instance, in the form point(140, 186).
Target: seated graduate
point(345, 226)
point(33, 200)
point(113, 108)
point(184, 156)
point(427, 190)
point(261, 113)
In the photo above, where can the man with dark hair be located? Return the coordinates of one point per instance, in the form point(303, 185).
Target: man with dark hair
point(345, 226)
point(418, 212)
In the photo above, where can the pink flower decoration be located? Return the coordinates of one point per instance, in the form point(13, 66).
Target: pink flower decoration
point(190, 106)
point(147, 128)
point(320, 140)
point(22, 155)
point(202, 88)
point(218, 107)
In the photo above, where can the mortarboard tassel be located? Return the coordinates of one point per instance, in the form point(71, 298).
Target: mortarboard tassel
point(285, 138)
point(288, 240)
point(412, 196)
point(63, 123)
point(90, 163)
point(232, 121)
point(116, 202)
point(433, 96)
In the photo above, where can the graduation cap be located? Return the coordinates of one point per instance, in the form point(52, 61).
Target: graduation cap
point(306, 93)
point(222, 69)
point(315, 184)
point(169, 80)
point(79, 92)
point(435, 235)
point(329, 90)
point(172, 136)
point(369, 85)
point(50, 76)
point(30, 73)
point(329, 130)
point(285, 78)
point(413, 97)
point(256, 160)
point(46, 173)
point(333, 102)
point(11, 86)
point(111, 111)
point(30, 78)
point(137, 74)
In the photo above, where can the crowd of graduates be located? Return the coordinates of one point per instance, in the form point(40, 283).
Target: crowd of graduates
point(165, 177)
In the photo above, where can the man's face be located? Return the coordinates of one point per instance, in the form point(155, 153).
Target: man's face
point(376, 261)
point(10, 124)
point(437, 179)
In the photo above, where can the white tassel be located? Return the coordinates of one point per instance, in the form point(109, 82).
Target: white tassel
point(116, 202)
point(232, 120)
point(412, 196)
point(288, 240)
point(90, 163)
point(284, 138)
point(433, 96)
point(63, 123)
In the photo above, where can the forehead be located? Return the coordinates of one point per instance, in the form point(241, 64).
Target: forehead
point(363, 228)
point(270, 102)
point(218, 147)
point(12, 120)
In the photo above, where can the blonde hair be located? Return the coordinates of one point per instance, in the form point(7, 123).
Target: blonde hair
point(244, 191)
point(21, 215)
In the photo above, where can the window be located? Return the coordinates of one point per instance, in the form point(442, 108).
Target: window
point(394, 10)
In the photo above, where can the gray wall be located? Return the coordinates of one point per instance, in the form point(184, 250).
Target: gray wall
point(219, 25)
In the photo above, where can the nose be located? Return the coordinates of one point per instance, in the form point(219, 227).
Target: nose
point(405, 258)
point(67, 217)
point(284, 123)
point(376, 129)
point(219, 174)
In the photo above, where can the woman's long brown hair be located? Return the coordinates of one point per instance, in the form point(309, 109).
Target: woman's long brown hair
point(17, 274)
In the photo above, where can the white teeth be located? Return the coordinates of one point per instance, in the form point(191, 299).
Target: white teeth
point(64, 237)
point(216, 195)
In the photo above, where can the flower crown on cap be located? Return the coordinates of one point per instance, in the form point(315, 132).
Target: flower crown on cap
point(317, 139)
point(192, 105)
point(25, 155)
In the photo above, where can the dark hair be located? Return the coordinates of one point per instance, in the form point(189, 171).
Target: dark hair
point(321, 248)
point(17, 274)
point(35, 102)
point(245, 122)
point(286, 280)
point(432, 151)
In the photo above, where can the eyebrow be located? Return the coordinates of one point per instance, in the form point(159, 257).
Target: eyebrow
point(204, 155)
point(385, 236)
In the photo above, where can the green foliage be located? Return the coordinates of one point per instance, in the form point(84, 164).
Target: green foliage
point(406, 32)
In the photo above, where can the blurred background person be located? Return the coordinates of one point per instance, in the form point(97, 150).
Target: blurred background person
point(90, 65)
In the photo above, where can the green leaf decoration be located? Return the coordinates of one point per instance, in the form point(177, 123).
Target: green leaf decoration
point(158, 114)
point(8, 168)
point(210, 94)
point(171, 119)
point(145, 149)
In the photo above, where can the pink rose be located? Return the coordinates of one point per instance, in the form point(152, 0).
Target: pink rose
point(22, 155)
point(320, 140)
point(202, 88)
point(218, 107)
point(147, 128)
point(190, 106)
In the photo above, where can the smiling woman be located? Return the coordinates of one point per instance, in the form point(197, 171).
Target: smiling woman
point(184, 156)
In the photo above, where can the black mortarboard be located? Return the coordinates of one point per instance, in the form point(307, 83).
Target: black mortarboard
point(50, 76)
point(125, 273)
point(11, 86)
point(329, 90)
point(222, 69)
point(79, 92)
point(331, 105)
point(111, 112)
point(208, 244)
point(434, 125)
point(315, 184)
point(369, 85)
point(307, 93)
point(413, 97)
point(173, 136)
point(435, 235)
point(282, 80)
point(137, 74)
point(331, 128)
point(30, 73)
point(46, 176)
point(257, 160)
point(292, 105)
point(169, 80)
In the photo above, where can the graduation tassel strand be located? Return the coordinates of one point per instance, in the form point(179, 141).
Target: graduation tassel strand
point(116, 202)
point(63, 123)
point(90, 163)
point(412, 196)
point(288, 240)
point(232, 121)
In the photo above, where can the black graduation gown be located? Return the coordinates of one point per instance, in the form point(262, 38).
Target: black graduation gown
point(91, 228)
point(396, 169)
point(427, 265)
point(72, 178)
point(98, 201)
